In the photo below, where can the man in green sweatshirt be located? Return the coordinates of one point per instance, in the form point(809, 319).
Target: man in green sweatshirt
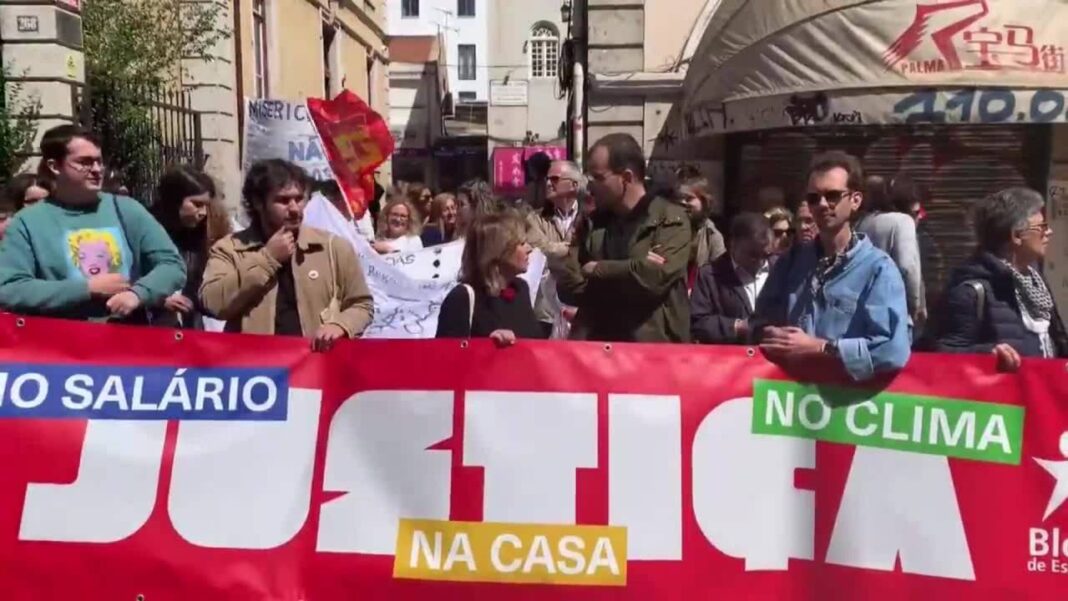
point(83, 254)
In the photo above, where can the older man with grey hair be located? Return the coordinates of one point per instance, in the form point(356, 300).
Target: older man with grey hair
point(551, 229)
point(998, 302)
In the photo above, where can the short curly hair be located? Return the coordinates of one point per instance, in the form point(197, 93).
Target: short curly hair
point(266, 178)
point(1004, 213)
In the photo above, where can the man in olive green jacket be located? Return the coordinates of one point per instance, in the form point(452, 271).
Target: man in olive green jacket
point(627, 271)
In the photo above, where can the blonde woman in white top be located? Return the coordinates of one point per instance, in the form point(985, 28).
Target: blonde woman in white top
point(399, 226)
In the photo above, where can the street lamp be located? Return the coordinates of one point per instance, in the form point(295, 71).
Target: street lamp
point(565, 12)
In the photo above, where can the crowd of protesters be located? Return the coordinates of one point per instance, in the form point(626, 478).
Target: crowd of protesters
point(837, 278)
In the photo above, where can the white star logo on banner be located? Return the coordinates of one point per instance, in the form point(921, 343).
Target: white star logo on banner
point(1059, 471)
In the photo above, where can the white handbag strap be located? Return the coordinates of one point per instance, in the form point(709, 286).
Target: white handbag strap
point(470, 307)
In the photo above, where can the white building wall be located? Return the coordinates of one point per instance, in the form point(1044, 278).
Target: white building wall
point(441, 15)
point(410, 111)
point(511, 25)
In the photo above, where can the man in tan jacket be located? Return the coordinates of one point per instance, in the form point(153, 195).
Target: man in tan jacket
point(282, 278)
point(550, 230)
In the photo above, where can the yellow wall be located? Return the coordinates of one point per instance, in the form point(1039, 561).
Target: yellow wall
point(247, 57)
point(359, 40)
point(353, 65)
point(295, 47)
point(668, 24)
point(297, 54)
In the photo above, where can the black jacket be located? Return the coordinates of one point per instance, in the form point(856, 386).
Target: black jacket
point(491, 313)
point(192, 248)
point(717, 301)
point(960, 327)
point(432, 236)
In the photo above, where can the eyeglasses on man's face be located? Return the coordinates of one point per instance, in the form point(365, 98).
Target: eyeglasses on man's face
point(599, 178)
point(86, 164)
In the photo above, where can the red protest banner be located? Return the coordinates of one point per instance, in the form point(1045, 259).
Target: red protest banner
point(241, 468)
point(356, 140)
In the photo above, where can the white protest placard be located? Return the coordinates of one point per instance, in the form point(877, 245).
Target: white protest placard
point(276, 129)
point(408, 288)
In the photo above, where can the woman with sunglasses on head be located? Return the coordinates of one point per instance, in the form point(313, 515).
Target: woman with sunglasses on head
point(701, 204)
point(420, 196)
point(695, 194)
point(895, 234)
point(781, 222)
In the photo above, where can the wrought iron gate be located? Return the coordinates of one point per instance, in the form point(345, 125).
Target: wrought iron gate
point(143, 132)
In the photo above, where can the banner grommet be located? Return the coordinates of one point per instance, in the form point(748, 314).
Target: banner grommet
point(178, 336)
point(464, 344)
point(750, 352)
point(20, 322)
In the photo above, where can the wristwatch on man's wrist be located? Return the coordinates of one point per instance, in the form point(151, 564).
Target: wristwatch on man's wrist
point(830, 348)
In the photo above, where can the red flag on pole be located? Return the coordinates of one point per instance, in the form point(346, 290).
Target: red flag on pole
point(356, 140)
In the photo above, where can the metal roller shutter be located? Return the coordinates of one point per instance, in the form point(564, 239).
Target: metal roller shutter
point(959, 164)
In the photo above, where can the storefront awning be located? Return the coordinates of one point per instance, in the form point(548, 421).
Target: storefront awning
point(782, 63)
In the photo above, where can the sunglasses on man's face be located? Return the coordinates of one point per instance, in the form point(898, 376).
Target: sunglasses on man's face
point(782, 233)
point(833, 197)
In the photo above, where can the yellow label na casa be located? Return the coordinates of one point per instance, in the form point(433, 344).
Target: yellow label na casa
point(519, 553)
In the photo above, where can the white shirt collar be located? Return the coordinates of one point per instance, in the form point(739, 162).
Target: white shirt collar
point(569, 212)
point(765, 267)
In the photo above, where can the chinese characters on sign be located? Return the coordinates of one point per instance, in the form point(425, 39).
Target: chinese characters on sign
point(1012, 48)
point(515, 171)
point(965, 40)
point(509, 175)
point(507, 169)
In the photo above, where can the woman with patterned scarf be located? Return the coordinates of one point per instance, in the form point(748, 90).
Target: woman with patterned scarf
point(998, 301)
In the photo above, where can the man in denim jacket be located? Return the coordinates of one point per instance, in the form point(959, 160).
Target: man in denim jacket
point(838, 298)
